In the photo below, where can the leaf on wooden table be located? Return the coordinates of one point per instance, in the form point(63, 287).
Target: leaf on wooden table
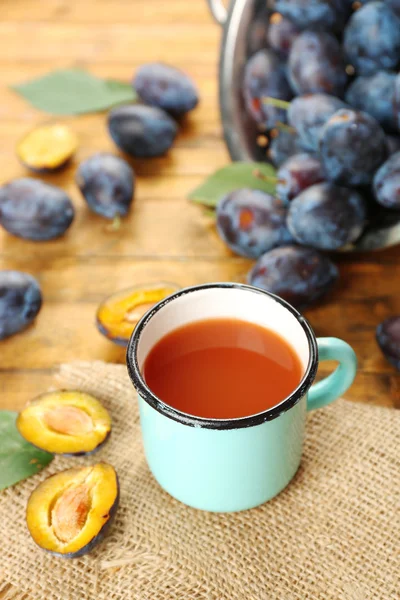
point(257, 176)
point(18, 458)
point(74, 91)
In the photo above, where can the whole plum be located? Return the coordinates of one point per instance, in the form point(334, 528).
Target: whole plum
point(299, 275)
point(142, 131)
point(20, 301)
point(107, 184)
point(352, 147)
point(299, 172)
point(308, 114)
point(327, 217)
point(315, 14)
point(34, 210)
point(281, 34)
point(316, 64)
point(251, 222)
point(374, 94)
point(388, 338)
point(387, 183)
point(264, 75)
point(372, 39)
point(283, 145)
point(166, 87)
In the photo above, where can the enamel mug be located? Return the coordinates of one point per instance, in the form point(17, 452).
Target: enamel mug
point(232, 464)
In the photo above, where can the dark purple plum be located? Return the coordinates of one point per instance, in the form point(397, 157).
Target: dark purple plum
point(372, 39)
point(283, 145)
point(393, 142)
point(308, 114)
point(394, 6)
point(20, 301)
point(315, 14)
point(396, 102)
point(387, 183)
point(34, 210)
point(107, 184)
point(388, 338)
point(352, 147)
point(374, 94)
point(166, 87)
point(316, 64)
point(299, 275)
point(251, 222)
point(299, 172)
point(257, 35)
point(142, 131)
point(264, 75)
point(281, 34)
point(327, 217)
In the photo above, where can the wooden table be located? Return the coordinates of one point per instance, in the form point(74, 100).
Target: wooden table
point(164, 236)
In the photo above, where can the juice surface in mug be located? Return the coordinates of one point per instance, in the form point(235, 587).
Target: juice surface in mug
point(222, 368)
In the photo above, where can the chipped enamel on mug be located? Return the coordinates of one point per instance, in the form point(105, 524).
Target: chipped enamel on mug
point(227, 465)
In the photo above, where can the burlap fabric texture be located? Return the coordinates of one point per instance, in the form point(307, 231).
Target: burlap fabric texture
point(333, 534)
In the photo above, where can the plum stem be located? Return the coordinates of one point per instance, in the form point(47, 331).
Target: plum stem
point(284, 127)
point(208, 212)
point(269, 178)
point(284, 104)
point(115, 224)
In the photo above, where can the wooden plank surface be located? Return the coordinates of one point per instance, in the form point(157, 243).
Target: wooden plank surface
point(164, 236)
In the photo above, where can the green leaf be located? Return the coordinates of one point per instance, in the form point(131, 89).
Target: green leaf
point(18, 458)
point(74, 91)
point(257, 176)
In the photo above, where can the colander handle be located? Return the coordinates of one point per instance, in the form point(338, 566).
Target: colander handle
point(218, 11)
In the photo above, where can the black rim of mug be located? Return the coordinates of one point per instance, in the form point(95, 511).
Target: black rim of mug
point(191, 420)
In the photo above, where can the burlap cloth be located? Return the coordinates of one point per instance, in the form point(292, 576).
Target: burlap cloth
point(334, 533)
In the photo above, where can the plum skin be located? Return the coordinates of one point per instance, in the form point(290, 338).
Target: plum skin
point(264, 75)
point(316, 64)
point(372, 39)
point(282, 146)
point(299, 172)
point(327, 216)
point(142, 131)
point(34, 210)
point(251, 222)
point(352, 146)
point(308, 115)
point(20, 302)
point(299, 275)
point(166, 87)
point(388, 338)
point(107, 183)
point(386, 183)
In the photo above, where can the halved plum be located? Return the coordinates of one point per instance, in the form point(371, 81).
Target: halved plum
point(47, 148)
point(118, 314)
point(65, 422)
point(69, 512)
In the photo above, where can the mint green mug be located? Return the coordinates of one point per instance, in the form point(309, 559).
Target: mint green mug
point(228, 465)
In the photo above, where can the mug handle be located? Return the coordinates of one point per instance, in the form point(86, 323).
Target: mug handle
point(337, 383)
